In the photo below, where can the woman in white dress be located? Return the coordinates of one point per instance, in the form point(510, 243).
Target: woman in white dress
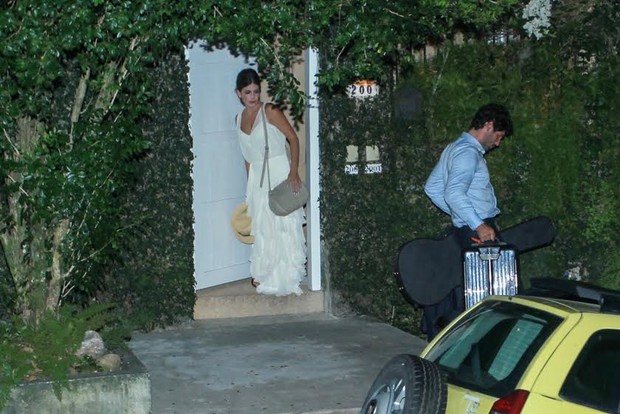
point(278, 260)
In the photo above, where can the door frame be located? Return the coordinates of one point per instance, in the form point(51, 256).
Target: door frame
point(312, 157)
point(313, 212)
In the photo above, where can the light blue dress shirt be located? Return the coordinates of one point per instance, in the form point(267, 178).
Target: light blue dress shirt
point(460, 184)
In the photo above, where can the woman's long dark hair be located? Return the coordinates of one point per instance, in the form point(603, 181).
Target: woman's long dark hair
point(247, 77)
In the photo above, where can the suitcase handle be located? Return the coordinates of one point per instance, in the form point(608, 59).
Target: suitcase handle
point(489, 243)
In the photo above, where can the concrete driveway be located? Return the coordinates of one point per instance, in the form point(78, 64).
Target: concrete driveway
point(313, 363)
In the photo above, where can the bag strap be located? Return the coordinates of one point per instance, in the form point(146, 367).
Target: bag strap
point(266, 159)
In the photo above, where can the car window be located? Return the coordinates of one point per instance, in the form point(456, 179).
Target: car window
point(594, 379)
point(489, 351)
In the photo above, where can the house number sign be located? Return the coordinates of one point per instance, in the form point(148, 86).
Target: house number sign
point(363, 89)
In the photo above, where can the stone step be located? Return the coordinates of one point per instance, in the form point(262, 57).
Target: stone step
point(239, 300)
point(335, 411)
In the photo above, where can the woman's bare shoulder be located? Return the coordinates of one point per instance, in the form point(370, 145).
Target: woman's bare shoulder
point(271, 107)
point(273, 111)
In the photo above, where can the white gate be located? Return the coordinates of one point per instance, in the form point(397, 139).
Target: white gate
point(218, 168)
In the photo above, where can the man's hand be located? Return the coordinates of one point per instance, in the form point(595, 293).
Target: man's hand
point(485, 233)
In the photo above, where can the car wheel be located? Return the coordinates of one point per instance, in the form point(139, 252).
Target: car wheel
point(407, 384)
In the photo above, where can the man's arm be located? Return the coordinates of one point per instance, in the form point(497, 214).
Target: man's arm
point(434, 189)
point(460, 175)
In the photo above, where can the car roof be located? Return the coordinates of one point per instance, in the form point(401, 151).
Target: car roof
point(566, 305)
point(560, 307)
point(581, 296)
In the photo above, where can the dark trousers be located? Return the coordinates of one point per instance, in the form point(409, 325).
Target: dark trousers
point(436, 317)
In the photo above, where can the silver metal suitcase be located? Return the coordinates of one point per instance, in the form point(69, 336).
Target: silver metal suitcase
point(489, 269)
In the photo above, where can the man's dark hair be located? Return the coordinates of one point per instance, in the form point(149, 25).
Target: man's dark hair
point(496, 113)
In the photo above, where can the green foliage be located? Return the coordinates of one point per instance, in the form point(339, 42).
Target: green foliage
point(372, 39)
point(73, 87)
point(561, 162)
point(366, 217)
point(46, 349)
point(77, 93)
point(94, 148)
point(76, 85)
point(153, 274)
point(356, 38)
point(548, 113)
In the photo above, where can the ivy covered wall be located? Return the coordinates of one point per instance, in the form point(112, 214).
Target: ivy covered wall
point(559, 163)
point(365, 217)
point(154, 275)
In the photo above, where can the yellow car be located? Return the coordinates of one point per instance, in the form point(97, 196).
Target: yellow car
point(541, 354)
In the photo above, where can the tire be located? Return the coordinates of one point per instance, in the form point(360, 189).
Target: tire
point(407, 384)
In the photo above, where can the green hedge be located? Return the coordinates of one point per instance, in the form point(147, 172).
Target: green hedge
point(153, 275)
point(559, 163)
point(365, 217)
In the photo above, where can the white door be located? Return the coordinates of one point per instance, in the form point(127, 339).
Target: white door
point(218, 168)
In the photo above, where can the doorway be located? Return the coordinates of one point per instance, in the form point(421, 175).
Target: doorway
point(218, 169)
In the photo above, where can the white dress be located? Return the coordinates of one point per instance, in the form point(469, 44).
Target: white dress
point(278, 259)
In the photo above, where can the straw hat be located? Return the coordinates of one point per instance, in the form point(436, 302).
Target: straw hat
point(241, 224)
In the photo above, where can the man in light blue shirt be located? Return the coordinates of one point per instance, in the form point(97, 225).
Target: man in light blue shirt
point(460, 184)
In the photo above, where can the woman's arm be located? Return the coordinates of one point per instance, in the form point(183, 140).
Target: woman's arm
point(277, 118)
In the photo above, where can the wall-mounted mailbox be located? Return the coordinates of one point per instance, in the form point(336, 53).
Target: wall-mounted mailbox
point(371, 161)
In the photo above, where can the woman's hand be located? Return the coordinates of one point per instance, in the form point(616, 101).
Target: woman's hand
point(294, 181)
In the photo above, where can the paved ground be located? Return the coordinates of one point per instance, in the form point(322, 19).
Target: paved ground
point(311, 363)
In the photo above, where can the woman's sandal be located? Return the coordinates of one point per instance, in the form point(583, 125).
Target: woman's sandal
point(254, 282)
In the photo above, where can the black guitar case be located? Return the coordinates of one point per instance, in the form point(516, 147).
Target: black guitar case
point(427, 270)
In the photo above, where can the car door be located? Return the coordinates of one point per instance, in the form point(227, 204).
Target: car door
point(583, 375)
